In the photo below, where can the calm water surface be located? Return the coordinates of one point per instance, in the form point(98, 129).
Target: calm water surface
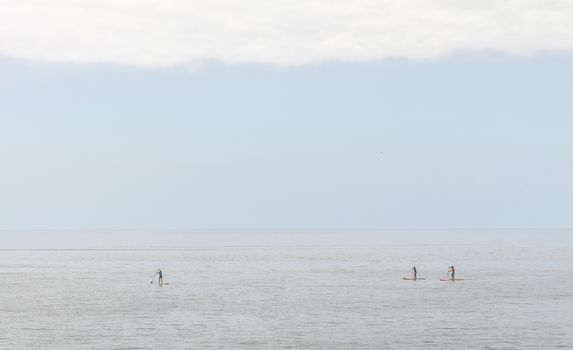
point(291, 291)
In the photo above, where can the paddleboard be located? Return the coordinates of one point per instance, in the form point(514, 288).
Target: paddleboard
point(449, 279)
point(412, 278)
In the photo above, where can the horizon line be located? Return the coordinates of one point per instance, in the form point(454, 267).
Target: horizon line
point(275, 229)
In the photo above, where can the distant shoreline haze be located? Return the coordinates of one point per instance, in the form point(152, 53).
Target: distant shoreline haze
point(204, 239)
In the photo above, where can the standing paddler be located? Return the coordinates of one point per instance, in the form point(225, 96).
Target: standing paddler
point(452, 271)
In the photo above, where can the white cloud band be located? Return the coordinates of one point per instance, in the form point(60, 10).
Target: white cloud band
point(280, 32)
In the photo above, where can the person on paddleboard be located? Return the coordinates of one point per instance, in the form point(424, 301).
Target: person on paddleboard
point(160, 276)
point(452, 271)
point(414, 272)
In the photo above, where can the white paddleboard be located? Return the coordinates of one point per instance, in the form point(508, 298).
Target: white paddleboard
point(449, 279)
point(412, 278)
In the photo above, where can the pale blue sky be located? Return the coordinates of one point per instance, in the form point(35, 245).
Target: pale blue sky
point(469, 141)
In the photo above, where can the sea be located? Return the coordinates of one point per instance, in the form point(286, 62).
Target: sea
point(288, 289)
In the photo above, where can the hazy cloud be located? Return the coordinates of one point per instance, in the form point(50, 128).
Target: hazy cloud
point(280, 32)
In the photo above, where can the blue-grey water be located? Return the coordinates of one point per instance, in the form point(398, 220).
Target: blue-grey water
point(279, 290)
